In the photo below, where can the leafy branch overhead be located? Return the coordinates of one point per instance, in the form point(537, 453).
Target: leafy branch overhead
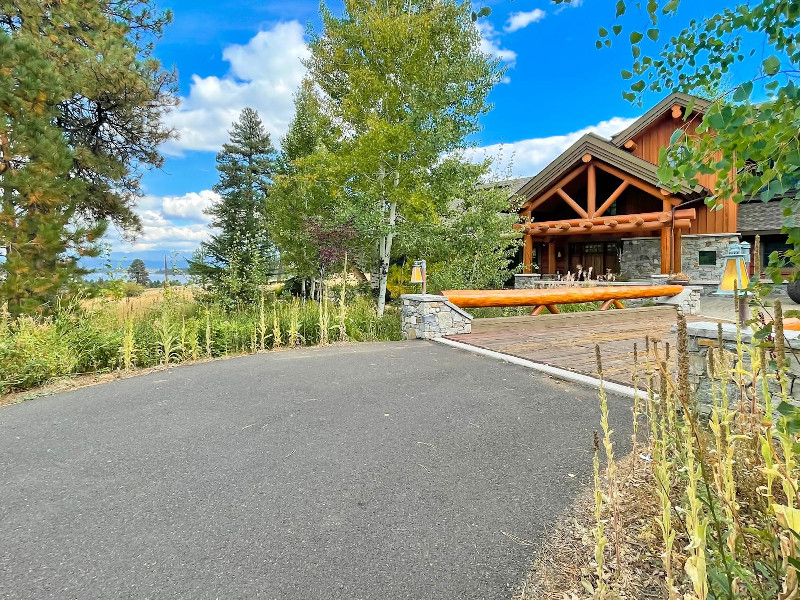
point(744, 59)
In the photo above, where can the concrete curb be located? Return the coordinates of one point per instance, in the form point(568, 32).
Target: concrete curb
point(579, 378)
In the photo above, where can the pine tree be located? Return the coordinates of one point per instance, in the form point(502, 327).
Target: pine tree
point(407, 80)
point(81, 99)
point(240, 258)
point(137, 272)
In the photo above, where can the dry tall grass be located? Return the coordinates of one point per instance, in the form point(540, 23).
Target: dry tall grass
point(709, 507)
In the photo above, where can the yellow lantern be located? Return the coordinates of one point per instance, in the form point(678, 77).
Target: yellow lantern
point(735, 274)
point(418, 274)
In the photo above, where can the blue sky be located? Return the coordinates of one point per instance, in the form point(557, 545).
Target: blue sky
point(235, 53)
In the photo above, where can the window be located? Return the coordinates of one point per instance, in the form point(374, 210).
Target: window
point(708, 257)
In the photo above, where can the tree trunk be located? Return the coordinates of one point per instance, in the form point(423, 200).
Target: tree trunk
point(385, 255)
point(385, 247)
point(313, 288)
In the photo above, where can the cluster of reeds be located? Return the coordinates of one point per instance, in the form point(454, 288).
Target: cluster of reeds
point(723, 468)
point(101, 337)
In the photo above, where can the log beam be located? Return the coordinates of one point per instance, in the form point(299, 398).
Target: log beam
point(612, 198)
point(534, 204)
point(527, 255)
point(677, 111)
point(645, 227)
point(642, 185)
point(591, 191)
point(574, 205)
point(676, 250)
point(663, 217)
point(553, 296)
point(630, 146)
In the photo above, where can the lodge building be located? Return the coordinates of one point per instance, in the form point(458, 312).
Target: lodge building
point(600, 205)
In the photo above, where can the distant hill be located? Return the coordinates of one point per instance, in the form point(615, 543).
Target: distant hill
point(153, 261)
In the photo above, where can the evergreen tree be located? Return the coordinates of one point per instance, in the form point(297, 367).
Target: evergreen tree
point(240, 258)
point(81, 99)
point(407, 80)
point(138, 272)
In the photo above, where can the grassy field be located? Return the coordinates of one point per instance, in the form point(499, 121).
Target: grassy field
point(162, 327)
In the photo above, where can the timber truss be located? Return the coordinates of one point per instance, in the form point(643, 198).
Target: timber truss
point(591, 220)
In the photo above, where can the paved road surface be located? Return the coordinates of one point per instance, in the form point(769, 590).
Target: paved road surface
point(372, 471)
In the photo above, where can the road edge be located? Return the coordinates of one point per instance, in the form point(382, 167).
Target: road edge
point(563, 374)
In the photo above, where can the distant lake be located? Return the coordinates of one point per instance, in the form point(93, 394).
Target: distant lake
point(181, 278)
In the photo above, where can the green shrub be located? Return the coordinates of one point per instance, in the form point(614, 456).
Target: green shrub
point(98, 337)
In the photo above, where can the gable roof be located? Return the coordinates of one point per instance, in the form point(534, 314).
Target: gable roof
point(756, 216)
point(700, 106)
point(601, 149)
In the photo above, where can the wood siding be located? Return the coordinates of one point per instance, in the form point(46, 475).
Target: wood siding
point(649, 143)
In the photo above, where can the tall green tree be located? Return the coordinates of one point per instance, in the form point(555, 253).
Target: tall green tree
point(302, 202)
point(81, 102)
point(234, 262)
point(748, 55)
point(137, 272)
point(407, 82)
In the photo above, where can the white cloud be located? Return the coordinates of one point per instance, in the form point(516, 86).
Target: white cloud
point(520, 20)
point(528, 157)
point(263, 74)
point(165, 236)
point(491, 45)
point(169, 223)
point(190, 206)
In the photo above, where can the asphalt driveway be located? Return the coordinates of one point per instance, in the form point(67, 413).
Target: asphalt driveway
point(370, 471)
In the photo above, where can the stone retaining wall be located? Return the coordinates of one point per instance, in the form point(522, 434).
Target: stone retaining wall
point(430, 316)
point(703, 336)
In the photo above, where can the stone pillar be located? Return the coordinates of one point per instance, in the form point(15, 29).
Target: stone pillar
point(686, 302)
point(703, 337)
point(640, 257)
point(430, 316)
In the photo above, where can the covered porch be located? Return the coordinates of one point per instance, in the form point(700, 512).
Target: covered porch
point(575, 217)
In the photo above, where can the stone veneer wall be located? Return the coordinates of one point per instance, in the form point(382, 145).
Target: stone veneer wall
point(430, 316)
point(703, 336)
point(691, 245)
point(641, 257)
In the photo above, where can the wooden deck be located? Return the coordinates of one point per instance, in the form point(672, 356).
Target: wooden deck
point(567, 340)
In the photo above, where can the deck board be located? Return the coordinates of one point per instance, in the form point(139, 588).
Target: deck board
point(568, 340)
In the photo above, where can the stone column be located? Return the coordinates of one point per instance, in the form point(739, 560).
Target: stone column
point(430, 316)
